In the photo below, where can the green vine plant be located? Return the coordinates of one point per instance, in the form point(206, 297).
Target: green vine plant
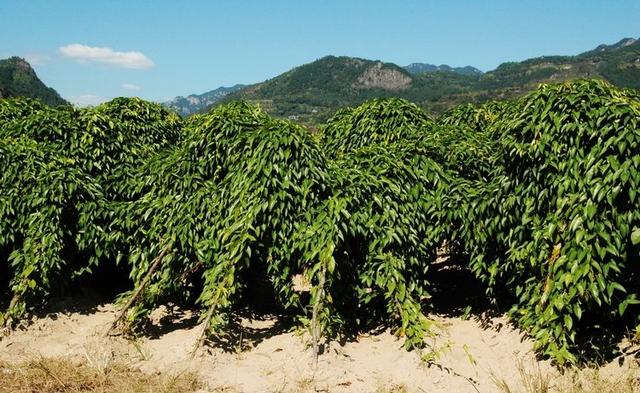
point(540, 195)
point(58, 167)
point(556, 224)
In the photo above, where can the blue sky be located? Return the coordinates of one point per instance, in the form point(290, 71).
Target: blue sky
point(95, 50)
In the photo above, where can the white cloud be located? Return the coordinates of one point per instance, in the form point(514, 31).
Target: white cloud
point(37, 58)
point(87, 100)
point(89, 54)
point(130, 86)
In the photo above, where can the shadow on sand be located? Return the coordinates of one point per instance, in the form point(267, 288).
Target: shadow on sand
point(455, 292)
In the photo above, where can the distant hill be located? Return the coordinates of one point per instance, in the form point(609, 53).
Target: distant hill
point(312, 92)
point(419, 68)
point(315, 90)
point(618, 63)
point(18, 79)
point(197, 102)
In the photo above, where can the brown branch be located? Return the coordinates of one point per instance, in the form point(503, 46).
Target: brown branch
point(203, 330)
point(315, 325)
point(154, 266)
point(8, 322)
point(186, 274)
point(207, 321)
point(14, 301)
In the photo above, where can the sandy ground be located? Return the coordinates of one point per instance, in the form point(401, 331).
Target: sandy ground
point(276, 359)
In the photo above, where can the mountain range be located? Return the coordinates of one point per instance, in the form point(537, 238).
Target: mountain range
point(419, 68)
point(195, 103)
point(312, 92)
point(198, 102)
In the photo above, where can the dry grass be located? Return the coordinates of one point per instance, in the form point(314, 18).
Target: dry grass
point(309, 385)
point(62, 375)
point(531, 381)
point(577, 381)
point(592, 381)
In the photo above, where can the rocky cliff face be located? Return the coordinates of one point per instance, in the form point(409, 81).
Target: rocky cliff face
point(378, 76)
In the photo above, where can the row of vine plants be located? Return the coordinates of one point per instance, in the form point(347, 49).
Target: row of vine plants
point(539, 196)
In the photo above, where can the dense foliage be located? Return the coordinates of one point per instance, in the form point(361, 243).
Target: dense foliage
point(39, 193)
point(539, 197)
point(61, 169)
point(376, 122)
point(558, 225)
point(382, 228)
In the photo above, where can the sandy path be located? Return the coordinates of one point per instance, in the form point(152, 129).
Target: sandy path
point(282, 362)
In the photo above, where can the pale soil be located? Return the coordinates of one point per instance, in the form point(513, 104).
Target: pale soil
point(278, 360)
